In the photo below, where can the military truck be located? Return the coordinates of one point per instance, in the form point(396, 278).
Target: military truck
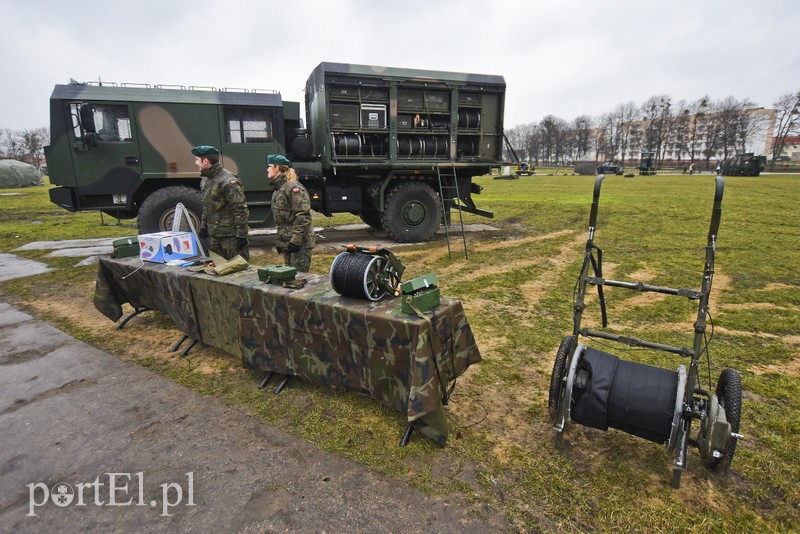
point(746, 164)
point(399, 147)
point(611, 167)
point(647, 164)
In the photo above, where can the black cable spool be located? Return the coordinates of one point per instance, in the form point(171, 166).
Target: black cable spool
point(469, 118)
point(466, 147)
point(375, 145)
point(403, 146)
point(441, 145)
point(633, 397)
point(355, 275)
point(348, 145)
point(429, 146)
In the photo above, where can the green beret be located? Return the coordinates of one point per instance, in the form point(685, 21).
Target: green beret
point(203, 151)
point(277, 159)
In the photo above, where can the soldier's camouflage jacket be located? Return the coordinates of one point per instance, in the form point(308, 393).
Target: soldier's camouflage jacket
point(291, 209)
point(225, 211)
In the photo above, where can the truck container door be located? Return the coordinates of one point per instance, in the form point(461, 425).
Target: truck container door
point(108, 169)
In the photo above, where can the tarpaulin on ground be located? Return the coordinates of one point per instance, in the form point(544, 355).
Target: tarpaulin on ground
point(14, 174)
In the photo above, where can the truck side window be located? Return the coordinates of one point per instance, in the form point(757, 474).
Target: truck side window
point(113, 123)
point(244, 125)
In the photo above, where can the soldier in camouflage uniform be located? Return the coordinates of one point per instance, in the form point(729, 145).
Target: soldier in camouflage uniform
point(291, 209)
point(225, 211)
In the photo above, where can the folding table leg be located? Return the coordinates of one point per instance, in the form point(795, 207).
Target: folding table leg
point(177, 345)
point(185, 351)
point(266, 380)
point(282, 385)
point(136, 312)
point(407, 435)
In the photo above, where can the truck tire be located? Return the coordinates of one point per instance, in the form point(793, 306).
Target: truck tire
point(158, 209)
point(371, 218)
point(412, 212)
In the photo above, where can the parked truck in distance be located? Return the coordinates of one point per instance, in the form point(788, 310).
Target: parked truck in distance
point(746, 164)
point(399, 147)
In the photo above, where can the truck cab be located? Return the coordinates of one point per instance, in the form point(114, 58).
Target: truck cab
point(126, 151)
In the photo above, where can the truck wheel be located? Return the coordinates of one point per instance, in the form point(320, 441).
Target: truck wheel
point(158, 210)
point(372, 218)
point(412, 213)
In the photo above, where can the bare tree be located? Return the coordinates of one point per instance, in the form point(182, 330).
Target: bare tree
point(710, 128)
point(33, 143)
point(695, 114)
point(533, 142)
point(658, 123)
point(10, 145)
point(628, 115)
point(787, 111)
point(750, 122)
point(554, 132)
point(24, 145)
point(515, 137)
point(605, 141)
point(582, 136)
point(727, 113)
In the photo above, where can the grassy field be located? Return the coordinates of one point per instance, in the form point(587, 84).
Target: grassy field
point(517, 290)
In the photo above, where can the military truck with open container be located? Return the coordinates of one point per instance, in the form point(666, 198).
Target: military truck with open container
point(399, 147)
point(746, 164)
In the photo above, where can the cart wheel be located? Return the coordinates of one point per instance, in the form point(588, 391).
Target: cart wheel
point(557, 378)
point(729, 393)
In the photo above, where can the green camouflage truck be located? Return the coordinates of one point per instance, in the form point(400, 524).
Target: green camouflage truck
point(399, 147)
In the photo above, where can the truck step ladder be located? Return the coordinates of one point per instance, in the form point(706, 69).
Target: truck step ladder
point(449, 194)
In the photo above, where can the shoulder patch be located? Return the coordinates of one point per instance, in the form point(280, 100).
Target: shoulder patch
point(296, 190)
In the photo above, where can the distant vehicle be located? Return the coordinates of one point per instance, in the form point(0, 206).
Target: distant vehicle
point(745, 164)
point(783, 158)
point(396, 146)
point(609, 167)
point(512, 171)
point(647, 164)
point(526, 169)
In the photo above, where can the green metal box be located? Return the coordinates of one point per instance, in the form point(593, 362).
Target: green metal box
point(423, 300)
point(421, 292)
point(419, 283)
point(125, 247)
point(276, 273)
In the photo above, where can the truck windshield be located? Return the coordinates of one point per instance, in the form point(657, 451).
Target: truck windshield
point(113, 123)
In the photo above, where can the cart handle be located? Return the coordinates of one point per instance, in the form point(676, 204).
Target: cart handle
point(595, 201)
point(716, 214)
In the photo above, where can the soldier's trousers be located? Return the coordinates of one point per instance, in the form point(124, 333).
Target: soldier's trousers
point(226, 247)
point(300, 260)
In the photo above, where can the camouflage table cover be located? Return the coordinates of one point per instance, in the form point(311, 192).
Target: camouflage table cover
point(151, 286)
point(313, 333)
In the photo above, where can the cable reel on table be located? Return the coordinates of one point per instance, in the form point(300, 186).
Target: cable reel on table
point(369, 273)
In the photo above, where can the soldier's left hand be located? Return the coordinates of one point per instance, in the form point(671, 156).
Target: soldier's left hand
point(241, 243)
point(293, 247)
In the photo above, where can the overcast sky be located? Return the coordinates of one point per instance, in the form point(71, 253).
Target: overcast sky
point(559, 57)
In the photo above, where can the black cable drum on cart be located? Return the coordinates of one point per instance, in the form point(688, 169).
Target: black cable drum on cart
point(356, 275)
point(636, 398)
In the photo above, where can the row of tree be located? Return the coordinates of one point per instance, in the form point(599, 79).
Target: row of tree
point(24, 145)
point(682, 131)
